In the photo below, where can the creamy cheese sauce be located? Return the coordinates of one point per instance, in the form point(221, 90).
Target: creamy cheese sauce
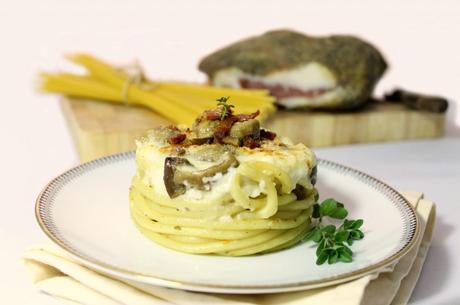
point(296, 160)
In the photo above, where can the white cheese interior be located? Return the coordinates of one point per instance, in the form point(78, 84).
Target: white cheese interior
point(307, 77)
point(319, 100)
point(312, 76)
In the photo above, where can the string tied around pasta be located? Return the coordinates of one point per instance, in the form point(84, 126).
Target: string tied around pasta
point(135, 76)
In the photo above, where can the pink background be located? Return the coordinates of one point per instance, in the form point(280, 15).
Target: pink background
point(420, 40)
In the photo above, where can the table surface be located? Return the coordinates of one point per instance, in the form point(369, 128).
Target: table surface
point(37, 145)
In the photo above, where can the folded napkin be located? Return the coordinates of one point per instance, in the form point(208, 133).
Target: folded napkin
point(54, 272)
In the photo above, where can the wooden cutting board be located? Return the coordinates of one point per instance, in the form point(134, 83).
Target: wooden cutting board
point(101, 129)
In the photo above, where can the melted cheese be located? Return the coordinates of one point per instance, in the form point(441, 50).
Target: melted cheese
point(296, 160)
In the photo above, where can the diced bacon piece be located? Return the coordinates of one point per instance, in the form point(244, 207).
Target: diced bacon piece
point(245, 117)
point(223, 128)
point(265, 134)
point(178, 138)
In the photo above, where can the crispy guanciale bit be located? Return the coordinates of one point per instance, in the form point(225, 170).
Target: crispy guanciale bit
point(174, 178)
point(221, 126)
point(268, 135)
point(224, 127)
point(214, 127)
point(251, 143)
point(212, 114)
point(178, 138)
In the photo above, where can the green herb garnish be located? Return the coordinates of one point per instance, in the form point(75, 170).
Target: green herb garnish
point(226, 108)
point(332, 242)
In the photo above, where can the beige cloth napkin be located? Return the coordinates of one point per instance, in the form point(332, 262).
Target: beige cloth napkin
point(54, 272)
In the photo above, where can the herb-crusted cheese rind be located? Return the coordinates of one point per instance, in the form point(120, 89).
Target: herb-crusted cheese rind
point(355, 65)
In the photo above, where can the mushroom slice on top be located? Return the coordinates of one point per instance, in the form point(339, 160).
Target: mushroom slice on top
point(176, 174)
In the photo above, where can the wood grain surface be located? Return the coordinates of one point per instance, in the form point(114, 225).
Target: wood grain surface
point(101, 129)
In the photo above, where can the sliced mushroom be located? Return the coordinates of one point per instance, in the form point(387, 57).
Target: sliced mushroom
point(247, 128)
point(171, 164)
point(231, 141)
point(300, 192)
point(175, 178)
point(210, 153)
point(313, 174)
point(204, 129)
point(200, 141)
point(165, 133)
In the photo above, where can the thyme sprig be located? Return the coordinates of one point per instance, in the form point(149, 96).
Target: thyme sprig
point(226, 108)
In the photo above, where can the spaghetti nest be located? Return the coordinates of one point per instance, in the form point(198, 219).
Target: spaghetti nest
point(235, 224)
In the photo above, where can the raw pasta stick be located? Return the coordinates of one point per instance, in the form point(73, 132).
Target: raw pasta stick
point(213, 90)
point(77, 86)
point(178, 102)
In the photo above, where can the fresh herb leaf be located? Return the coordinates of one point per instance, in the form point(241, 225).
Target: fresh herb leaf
point(317, 236)
point(333, 209)
point(339, 213)
point(356, 235)
point(341, 236)
point(329, 229)
point(327, 207)
point(322, 257)
point(309, 235)
point(321, 247)
point(357, 224)
point(226, 108)
point(345, 256)
point(333, 257)
point(347, 251)
point(347, 224)
point(333, 242)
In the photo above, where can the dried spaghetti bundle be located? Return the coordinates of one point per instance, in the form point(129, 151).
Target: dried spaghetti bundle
point(178, 102)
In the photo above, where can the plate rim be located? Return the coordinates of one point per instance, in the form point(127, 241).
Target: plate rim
point(60, 180)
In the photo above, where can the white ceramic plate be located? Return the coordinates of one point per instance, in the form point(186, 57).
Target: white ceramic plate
point(85, 211)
